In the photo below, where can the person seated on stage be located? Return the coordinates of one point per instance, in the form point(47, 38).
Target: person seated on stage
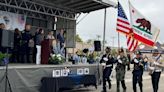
point(91, 57)
point(84, 56)
point(76, 58)
point(50, 35)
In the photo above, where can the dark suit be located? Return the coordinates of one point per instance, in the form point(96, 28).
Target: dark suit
point(16, 51)
point(1, 39)
point(2, 49)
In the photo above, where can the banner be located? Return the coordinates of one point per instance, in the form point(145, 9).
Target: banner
point(12, 20)
point(144, 30)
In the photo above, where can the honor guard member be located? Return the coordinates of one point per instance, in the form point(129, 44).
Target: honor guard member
point(107, 61)
point(137, 71)
point(122, 61)
point(155, 66)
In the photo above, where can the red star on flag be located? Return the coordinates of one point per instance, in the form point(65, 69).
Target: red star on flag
point(133, 11)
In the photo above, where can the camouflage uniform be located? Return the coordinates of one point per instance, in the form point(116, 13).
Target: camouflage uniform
point(120, 72)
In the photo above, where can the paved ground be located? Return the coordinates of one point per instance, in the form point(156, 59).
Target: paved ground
point(147, 86)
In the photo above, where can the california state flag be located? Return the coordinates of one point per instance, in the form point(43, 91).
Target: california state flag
point(144, 31)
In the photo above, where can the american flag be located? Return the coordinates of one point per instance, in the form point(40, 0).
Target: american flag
point(124, 27)
point(123, 24)
point(131, 43)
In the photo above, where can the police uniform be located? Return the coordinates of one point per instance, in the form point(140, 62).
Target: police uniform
point(108, 60)
point(16, 52)
point(155, 70)
point(25, 55)
point(137, 72)
point(120, 72)
point(1, 30)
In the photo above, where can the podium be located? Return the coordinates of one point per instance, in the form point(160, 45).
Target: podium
point(46, 50)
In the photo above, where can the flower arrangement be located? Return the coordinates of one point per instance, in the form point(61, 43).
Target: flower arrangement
point(4, 58)
point(56, 59)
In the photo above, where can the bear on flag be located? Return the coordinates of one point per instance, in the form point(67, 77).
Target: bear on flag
point(144, 31)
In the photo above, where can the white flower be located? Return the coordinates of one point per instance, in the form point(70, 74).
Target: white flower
point(58, 55)
point(60, 58)
point(52, 55)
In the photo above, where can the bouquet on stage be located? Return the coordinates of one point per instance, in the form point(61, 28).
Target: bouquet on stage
point(56, 59)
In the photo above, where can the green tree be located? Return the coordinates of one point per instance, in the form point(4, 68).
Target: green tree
point(78, 38)
point(90, 41)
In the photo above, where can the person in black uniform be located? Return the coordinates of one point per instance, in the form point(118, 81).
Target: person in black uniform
point(138, 71)
point(26, 38)
point(16, 51)
point(1, 37)
point(107, 61)
point(2, 27)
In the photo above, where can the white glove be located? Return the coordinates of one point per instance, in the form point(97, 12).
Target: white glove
point(152, 68)
point(105, 59)
point(120, 61)
point(118, 57)
point(134, 56)
point(156, 63)
point(103, 64)
point(136, 61)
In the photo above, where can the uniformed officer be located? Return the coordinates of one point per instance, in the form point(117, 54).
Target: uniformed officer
point(16, 50)
point(138, 71)
point(155, 67)
point(26, 38)
point(107, 61)
point(2, 28)
point(122, 61)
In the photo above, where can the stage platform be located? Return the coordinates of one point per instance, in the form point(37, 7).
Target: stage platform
point(27, 77)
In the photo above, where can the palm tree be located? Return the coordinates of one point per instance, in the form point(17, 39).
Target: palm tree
point(98, 37)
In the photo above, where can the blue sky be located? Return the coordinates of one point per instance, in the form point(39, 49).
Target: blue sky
point(92, 24)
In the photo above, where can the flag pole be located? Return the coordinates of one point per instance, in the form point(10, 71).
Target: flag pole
point(118, 35)
point(118, 40)
point(104, 30)
point(130, 14)
point(131, 34)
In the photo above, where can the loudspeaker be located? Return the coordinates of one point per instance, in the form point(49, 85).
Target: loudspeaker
point(7, 38)
point(97, 45)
